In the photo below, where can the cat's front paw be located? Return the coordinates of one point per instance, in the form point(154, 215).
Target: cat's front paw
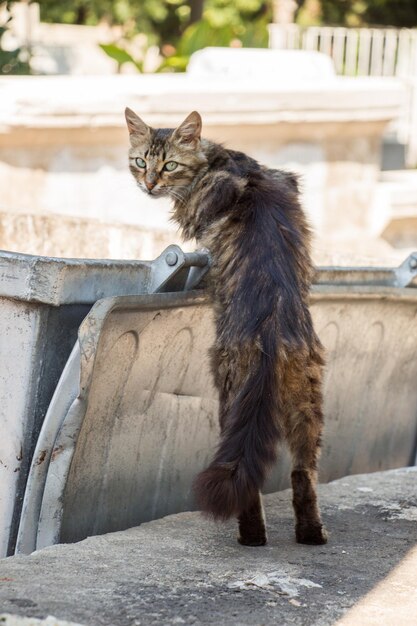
point(311, 534)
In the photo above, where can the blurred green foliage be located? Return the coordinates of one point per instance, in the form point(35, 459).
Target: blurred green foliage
point(179, 28)
point(161, 20)
point(399, 13)
point(165, 20)
point(222, 23)
point(12, 61)
point(121, 56)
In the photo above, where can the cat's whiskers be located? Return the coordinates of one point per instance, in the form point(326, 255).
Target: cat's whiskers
point(176, 193)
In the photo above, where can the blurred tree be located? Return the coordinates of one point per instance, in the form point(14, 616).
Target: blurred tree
point(164, 21)
point(400, 13)
point(224, 23)
point(391, 12)
point(196, 12)
point(14, 61)
point(178, 27)
point(234, 23)
point(161, 20)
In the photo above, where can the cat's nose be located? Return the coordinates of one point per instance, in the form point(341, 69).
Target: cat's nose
point(149, 184)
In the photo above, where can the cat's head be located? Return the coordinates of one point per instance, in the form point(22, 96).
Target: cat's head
point(164, 161)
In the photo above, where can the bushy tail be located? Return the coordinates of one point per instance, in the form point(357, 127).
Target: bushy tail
point(271, 271)
point(248, 443)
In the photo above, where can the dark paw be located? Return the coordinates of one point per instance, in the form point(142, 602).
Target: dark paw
point(312, 534)
point(252, 540)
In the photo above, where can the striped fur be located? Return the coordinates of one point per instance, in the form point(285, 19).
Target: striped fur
point(267, 360)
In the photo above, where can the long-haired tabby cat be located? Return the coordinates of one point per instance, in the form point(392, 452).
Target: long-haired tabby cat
point(267, 360)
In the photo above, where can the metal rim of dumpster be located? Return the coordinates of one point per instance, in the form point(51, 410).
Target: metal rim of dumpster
point(44, 300)
point(40, 523)
point(57, 281)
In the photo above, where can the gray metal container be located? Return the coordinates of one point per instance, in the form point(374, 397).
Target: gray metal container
point(42, 304)
point(139, 418)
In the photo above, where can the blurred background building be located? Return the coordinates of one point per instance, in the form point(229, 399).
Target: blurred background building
point(325, 88)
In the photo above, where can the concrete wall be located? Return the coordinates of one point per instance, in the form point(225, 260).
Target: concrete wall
point(67, 191)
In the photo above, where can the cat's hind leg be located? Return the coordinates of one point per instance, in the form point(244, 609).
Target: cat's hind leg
point(252, 530)
point(304, 437)
point(309, 528)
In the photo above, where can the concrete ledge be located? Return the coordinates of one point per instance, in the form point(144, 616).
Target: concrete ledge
point(186, 570)
point(54, 102)
point(328, 130)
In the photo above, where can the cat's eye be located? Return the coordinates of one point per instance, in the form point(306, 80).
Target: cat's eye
point(170, 166)
point(140, 162)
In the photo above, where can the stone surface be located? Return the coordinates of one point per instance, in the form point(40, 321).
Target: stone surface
point(184, 569)
point(16, 620)
point(76, 170)
point(76, 237)
point(398, 192)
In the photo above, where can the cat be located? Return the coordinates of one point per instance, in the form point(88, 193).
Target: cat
point(267, 360)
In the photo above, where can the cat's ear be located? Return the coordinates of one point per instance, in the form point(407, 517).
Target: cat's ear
point(135, 125)
point(190, 130)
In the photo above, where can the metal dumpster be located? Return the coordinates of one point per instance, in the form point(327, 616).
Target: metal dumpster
point(42, 303)
point(139, 415)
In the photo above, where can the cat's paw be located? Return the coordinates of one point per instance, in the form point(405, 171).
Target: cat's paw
point(311, 534)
